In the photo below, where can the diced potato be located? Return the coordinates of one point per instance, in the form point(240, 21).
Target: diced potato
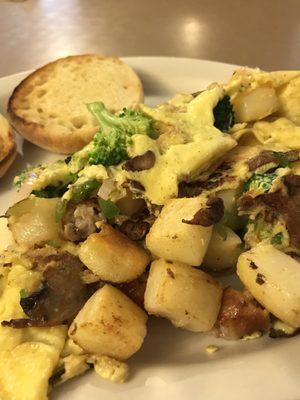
point(172, 239)
point(256, 104)
point(187, 296)
point(109, 324)
point(272, 277)
point(112, 256)
point(223, 250)
point(33, 221)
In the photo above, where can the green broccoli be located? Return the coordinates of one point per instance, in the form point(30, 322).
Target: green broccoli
point(115, 132)
point(223, 114)
point(259, 181)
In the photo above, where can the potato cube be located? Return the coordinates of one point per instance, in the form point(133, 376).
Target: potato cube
point(109, 324)
point(188, 297)
point(112, 256)
point(256, 104)
point(172, 239)
point(223, 250)
point(272, 277)
point(33, 221)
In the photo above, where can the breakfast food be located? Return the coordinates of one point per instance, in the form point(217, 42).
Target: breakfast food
point(8, 150)
point(143, 221)
point(49, 109)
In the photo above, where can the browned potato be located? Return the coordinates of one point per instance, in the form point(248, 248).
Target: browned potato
point(112, 256)
point(33, 221)
point(109, 324)
point(172, 239)
point(223, 250)
point(272, 277)
point(256, 104)
point(187, 296)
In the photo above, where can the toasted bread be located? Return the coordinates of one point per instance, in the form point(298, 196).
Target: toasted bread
point(8, 149)
point(49, 108)
point(7, 161)
point(7, 141)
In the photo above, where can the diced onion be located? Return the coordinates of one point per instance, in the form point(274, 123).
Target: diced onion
point(26, 188)
point(106, 188)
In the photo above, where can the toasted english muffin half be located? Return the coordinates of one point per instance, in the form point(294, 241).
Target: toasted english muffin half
point(49, 108)
point(7, 141)
point(8, 149)
point(7, 161)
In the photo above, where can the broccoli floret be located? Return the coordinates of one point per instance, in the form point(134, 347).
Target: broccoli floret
point(115, 132)
point(259, 181)
point(223, 114)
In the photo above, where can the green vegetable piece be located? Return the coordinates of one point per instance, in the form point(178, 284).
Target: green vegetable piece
point(23, 293)
point(221, 230)
point(115, 132)
point(51, 191)
point(277, 239)
point(223, 114)
point(108, 208)
point(60, 209)
point(84, 191)
point(259, 181)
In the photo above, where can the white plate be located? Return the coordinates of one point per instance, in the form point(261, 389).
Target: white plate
point(173, 362)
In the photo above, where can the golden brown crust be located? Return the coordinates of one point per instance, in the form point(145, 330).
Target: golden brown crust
point(7, 141)
point(67, 139)
point(7, 162)
point(36, 134)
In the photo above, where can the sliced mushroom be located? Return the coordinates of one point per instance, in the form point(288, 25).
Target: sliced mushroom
point(140, 163)
point(79, 220)
point(210, 215)
point(63, 294)
point(135, 230)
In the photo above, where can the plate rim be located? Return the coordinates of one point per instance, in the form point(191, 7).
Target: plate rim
point(130, 58)
point(246, 361)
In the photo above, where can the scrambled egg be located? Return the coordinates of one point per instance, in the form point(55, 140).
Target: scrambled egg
point(201, 144)
point(247, 79)
point(281, 131)
point(28, 356)
point(111, 369)
point(189, 146)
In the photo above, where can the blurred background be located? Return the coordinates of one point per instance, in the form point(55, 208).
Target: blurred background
point(264, 33)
